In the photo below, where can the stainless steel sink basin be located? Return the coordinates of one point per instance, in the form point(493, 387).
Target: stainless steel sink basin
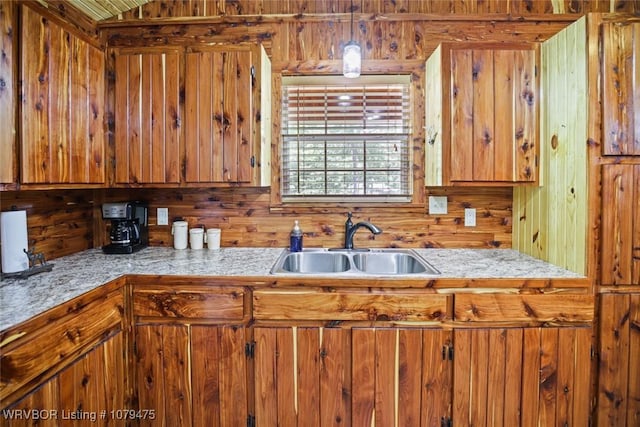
point(387, 262)
point(391, 263)
point(315, 262)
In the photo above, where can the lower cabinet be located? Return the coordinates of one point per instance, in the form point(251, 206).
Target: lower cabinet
point(191, 374)
point(90, 391)
point(313, 376)
point(522, 376)
point(618, 398)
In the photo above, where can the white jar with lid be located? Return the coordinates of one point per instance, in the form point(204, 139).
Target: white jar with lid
point(196, 238)
point(179, 231)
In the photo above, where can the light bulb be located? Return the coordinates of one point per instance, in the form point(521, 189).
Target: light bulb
point(351, 60)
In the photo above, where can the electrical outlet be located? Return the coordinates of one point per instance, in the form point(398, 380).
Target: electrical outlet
point(437, 205)
point(163, 216)
point(470, 217)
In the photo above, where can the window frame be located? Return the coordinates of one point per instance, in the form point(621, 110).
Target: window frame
point(361, 200)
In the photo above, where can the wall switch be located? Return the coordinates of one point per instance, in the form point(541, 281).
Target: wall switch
point(437, 205)
point(470, 217)
point(163, 216)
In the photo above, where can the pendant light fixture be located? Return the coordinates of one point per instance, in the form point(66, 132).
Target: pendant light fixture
point(351, 55)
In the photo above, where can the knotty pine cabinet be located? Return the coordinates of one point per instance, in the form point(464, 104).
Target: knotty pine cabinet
point(147, 116)
point(620, 254)
point(63, 96)
point(220, 135)
point(190, 354)
point(91, 390)
point(482, 114)
point(621, 88)
point(8, 95)
point(227, 99)
point(618, 398)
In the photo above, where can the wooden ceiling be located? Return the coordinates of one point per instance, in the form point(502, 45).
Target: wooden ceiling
point(99, 10)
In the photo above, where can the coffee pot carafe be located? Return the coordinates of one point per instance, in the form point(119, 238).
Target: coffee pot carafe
point(129, 232)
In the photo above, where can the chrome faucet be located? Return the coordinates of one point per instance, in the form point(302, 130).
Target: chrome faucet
point(350, 229)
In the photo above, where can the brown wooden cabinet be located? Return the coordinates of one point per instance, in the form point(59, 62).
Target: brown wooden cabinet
point(62, 117)
point(90, 391)
point(620, 224)
point(621, 88)
point(522, 376)
point(8, 92)
point(482, 115)
point(193, 370)
point(357, 376)
point(147, 116)
point(619, 361)
point(224, 123)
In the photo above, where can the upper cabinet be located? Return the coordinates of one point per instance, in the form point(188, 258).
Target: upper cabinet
point(8, 165)
point(223, 114)
point(482, 109)
point(621, 88)
point(62, 80)
point(192, 117)
point(147, 114)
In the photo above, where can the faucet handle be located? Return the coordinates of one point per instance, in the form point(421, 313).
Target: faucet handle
point(349, 214)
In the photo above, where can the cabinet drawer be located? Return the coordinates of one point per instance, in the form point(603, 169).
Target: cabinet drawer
point(523, 308)
point(348, 305)
point(225, 304)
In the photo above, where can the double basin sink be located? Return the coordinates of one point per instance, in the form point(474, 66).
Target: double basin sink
point(391, 262)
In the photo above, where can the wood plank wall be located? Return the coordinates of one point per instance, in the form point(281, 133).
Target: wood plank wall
point(251, 7)
point(550, 221)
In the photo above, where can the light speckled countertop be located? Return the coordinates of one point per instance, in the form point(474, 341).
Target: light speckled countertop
point(79, 273)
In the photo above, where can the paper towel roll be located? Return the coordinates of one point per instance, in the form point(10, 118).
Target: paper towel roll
point(13, 238)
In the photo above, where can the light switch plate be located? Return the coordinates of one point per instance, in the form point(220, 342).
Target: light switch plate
point(437, 205)
point(469, 217)
point(163, 216)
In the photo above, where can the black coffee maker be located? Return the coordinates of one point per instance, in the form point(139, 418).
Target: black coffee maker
point(129, 227)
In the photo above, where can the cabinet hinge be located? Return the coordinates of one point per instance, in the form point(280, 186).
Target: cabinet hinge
point(447, 352)
point(593, 353)
point(249, 349)
point(253, 72)
point(253, 161)
point(251, 420)
point(445, 422)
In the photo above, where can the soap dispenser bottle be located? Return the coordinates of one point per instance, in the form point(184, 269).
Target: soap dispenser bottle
point(295, 239)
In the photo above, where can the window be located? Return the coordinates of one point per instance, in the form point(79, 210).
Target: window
point(344, 138)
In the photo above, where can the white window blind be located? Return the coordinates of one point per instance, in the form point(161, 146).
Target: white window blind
point(346, 138)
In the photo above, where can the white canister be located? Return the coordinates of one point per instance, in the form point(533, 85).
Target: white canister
point(196, 238)
point(213, 238)
point(179, 230)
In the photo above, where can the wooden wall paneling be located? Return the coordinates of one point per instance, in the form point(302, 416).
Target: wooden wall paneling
point(8, 93)
point(250, 7)
point(559, 234)
point(620, 235)
point(621, 88)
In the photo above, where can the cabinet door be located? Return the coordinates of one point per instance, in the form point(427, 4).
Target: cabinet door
point(147, 128)
point(63, 138)
point(494, 115)
point(311, 376)
point(621, 88)
point(8, 166)
point(521, 377)
point(619, 371)
point(192, 374)
point(219, 115)
point(93, 386)
point(620, 224)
